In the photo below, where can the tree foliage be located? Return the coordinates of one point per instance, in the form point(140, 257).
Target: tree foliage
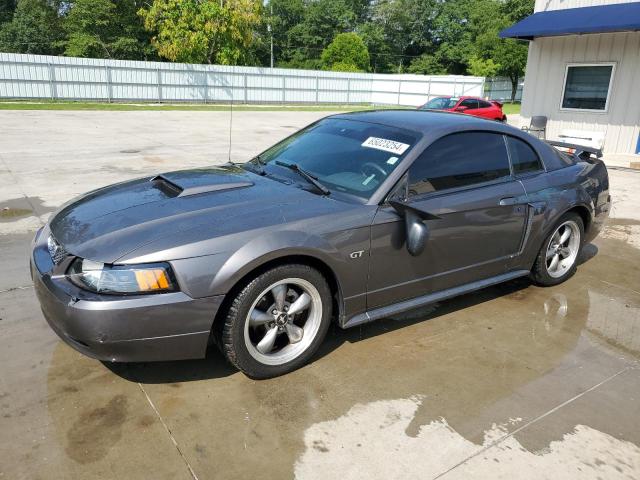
point(426, 64)
point(105, 29)
point(203, 31)
point(482, 67)
point(346, 53)
point(417, 36)
point(34, 28)
point(7, 8)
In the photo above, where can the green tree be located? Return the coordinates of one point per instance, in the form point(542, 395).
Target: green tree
point(516, 10)
point(347, 52)
point(283, 16)
point(7, 8)
point(203, 31)
point(34, 28)
point(457, 25)
point(323, 20)
point(426, 64)
point(406, 27)
point(105, 29)
point(373, 36)
point(481, 67)
point(512, 55)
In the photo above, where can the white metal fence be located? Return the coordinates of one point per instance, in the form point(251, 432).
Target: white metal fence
point(68, 78)
point(499, 88)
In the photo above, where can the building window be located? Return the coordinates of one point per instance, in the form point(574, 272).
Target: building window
point(587, 87)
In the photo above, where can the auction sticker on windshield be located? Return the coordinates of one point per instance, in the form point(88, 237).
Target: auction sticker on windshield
point(386, 145)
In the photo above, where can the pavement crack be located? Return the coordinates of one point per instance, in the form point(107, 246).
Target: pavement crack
point(531, 422)
point(23, 287)
point(166, 427)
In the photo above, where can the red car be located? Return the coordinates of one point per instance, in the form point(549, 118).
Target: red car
point(475, 106)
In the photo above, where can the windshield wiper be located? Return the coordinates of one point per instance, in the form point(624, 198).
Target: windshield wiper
point(306, 175)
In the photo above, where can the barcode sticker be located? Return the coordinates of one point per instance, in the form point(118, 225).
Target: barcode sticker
point(386, 145)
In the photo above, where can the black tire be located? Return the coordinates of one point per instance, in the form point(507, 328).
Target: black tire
point(540, 273)
point(232, 333)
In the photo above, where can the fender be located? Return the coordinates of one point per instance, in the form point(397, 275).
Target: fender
point(270, 247)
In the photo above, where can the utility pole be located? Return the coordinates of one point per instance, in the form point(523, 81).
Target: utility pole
point(269, 29)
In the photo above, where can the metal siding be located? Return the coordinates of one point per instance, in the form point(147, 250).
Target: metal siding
point(546, 5)
point(36, 76)
point(544, 82)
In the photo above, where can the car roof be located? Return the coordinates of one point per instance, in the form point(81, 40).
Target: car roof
point(424, 121)
point(459, 97)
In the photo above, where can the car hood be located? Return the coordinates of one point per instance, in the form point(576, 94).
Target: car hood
point(106, 224)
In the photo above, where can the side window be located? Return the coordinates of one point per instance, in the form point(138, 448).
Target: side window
point(459, 160)
point(523, 158)
point(469, 103)
point(484, 104)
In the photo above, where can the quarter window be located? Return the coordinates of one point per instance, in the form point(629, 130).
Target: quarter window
point(469, 103)
point(587, 87)
point(523, 158)
point(459, 160)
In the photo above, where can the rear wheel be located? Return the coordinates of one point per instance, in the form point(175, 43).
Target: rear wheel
point(277, 321)
point(558, 258)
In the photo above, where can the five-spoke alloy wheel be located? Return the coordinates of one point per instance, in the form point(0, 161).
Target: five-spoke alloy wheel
point(563, 248)
point(283, 321)
point(277, 321)
point(558, 257)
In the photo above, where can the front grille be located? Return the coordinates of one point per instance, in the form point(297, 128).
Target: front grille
point(57, 251)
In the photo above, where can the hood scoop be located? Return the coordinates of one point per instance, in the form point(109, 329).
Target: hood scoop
point(195, 182)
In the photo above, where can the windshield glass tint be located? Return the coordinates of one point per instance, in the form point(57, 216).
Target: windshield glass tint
point(441, 103)
point(344, 155)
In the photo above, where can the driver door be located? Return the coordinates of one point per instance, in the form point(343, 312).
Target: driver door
point(465, 181)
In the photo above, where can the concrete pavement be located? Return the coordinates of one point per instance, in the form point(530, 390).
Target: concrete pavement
point(514, 381)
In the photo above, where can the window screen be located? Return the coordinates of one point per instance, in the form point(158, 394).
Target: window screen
point(523, 158)
point(459, 160)
point(587, 87)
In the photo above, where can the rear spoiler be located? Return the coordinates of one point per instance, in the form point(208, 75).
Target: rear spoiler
point(496, 103)
point(580, 151)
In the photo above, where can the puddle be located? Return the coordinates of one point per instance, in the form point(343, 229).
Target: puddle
point(370, 441)
point(8, 213)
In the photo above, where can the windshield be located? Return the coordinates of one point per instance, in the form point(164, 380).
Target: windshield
point(441, 103)
point(348, 156)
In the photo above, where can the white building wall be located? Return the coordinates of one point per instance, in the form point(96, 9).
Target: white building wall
point(544, 81)
point(546, 5)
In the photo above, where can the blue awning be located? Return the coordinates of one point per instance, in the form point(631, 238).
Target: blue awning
point(619, 17)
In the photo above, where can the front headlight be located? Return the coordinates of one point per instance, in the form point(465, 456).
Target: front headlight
point(122, 279)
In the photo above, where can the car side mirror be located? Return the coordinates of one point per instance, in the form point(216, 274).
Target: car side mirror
point(416, 232)
point(461, 109)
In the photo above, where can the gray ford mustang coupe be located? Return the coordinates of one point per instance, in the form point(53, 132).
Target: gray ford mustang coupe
point(354, 218)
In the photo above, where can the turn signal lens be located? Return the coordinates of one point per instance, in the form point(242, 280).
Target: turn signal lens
point(122, 279)
point(152, 279)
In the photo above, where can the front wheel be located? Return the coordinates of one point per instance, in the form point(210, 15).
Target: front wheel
point(277, 321)
point(557, 260)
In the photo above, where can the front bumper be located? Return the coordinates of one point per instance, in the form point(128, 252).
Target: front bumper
point(140, 328)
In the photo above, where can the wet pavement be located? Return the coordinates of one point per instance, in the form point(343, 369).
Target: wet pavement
point(514, 381)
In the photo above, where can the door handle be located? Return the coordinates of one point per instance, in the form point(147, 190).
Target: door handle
point(507, 201)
